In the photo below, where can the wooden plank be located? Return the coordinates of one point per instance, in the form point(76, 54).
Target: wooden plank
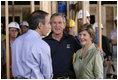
point(83, 12)
point(46, 6)
point(99, 25)
point(13, 16)
point(54, 7)
point(32, 6)
point(109, 20)
point(7, 41)
point(68, 15)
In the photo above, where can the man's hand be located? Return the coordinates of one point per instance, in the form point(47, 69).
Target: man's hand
point(113, 41)
point(99, 49)
point(106, 63)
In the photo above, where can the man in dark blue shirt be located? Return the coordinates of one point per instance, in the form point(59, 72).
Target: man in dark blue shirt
point(63, 46)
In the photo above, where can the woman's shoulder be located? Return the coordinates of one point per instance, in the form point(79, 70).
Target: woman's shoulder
point(78, 52)
point(93, 49)
point(97, 52)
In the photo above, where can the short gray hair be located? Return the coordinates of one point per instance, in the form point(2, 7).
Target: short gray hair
point(58, 14)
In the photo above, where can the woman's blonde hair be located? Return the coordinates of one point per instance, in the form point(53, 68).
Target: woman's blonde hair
point(89, 29)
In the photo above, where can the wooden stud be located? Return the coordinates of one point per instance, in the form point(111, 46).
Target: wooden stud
point(54, 7)
point(46, 6)
point(7, 41)
point(99, 25)
point(68, 12)
point(32, 6)
point(13, 17)
point(83, 12)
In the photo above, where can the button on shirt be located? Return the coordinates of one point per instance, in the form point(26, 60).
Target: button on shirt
point(62, 52)
point(31, 57)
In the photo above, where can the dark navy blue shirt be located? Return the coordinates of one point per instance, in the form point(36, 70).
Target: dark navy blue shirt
point(62, 52)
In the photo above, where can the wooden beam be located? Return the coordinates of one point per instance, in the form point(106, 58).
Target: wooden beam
point(46, 6)
point(7, 41)
point(13, 17)
point(54, 7)
point(68, 12)
point(83, 12)
point(99, 25)
point(32, 6)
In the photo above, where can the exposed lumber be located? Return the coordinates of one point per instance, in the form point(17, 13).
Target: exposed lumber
point(54, 7)
point(13, 16)
point(45, 6)
point(83, 12)
point(32, 6)
point(99, 25)
point(7, 41)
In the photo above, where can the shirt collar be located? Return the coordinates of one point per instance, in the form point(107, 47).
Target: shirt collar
point(34, 33)
point(65, 35)
point(91, 46)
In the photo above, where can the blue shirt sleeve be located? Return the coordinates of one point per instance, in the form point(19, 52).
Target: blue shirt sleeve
point(96, 39)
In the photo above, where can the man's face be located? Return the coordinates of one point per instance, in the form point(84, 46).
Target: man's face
point(71, 31)
point(13, 32)
point(24, 29)
point(45, 27)
point(57, 25)
point(87, 21)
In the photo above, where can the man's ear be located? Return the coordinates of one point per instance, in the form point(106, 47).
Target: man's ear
point(64, 25)
point(39, 25)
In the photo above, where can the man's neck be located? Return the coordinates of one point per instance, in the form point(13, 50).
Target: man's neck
point(12, 39)
point(57, 36)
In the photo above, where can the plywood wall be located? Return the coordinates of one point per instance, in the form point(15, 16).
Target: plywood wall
point(108, 14)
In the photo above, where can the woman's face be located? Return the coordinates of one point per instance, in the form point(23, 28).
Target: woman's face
point(85, 38)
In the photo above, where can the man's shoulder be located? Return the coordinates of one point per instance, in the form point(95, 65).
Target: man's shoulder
point(104, 37)
point(114, 30)
point(48, 37)
point(68, 36)
point(45, 38)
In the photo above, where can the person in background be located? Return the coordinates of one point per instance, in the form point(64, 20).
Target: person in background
point(106, 50)
point(3, 37)
point(62, 47)
point(13, 31)
point(3, 60)
point(31, 57)
point(113, 39)
point(24, 27)
point(3, 54)
point(80, 17)
point(89, 61)
point(70, 27)
point(13, 34)
point(107, 54)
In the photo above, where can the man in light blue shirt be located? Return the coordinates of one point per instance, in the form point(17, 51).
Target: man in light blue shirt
point(31, 58)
